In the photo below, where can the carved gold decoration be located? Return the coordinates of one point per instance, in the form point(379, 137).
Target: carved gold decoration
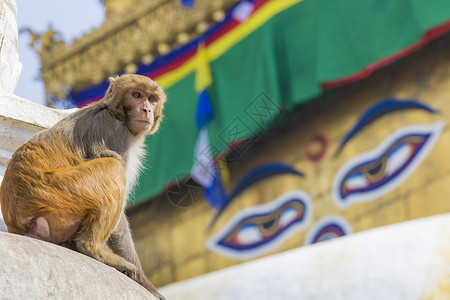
point(163, 48)
point(218, 15)
point(202, 27)
point(135, 31)
point(147, 58)
point(131, 68)
point(182, 37)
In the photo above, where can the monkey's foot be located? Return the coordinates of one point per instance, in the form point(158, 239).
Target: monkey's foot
point(128, 269)
point(158, 295)
point(131, 271)
point(108, 258)
point(142, 280)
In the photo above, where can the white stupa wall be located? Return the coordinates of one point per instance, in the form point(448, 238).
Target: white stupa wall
point(10, 66)
point(405, 261)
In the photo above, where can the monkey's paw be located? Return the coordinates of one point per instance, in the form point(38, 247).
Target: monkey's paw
point(142, 280)
point(129, 270)
point(110, 153)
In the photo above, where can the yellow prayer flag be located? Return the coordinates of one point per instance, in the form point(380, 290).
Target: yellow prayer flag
point(203, 73)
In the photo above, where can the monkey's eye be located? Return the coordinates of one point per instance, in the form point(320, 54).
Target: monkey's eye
point(153, 98)
point(136, 95)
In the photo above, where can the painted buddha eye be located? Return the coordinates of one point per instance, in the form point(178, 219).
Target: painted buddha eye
point(327, 228)
point(375, 173)
point(260, 229)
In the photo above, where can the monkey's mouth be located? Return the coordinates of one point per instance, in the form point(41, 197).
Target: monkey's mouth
point(144, 121)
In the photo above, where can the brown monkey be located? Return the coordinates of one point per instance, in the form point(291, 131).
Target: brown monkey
point(68, 184)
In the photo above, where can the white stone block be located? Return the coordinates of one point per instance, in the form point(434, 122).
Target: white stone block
point(20, 119)
point(33, 269)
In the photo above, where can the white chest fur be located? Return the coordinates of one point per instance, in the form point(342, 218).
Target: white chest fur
point(134, 164)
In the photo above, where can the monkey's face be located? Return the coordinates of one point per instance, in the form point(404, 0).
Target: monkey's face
point(140, 99)
point(141, 108)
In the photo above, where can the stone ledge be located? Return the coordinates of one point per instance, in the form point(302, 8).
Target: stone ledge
point(33, 269)
point(20, 119)
point(30, 113)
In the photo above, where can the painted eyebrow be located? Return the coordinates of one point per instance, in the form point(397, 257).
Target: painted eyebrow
point(380, 109)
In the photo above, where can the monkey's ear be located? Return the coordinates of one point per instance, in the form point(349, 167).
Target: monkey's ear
point(111, 88)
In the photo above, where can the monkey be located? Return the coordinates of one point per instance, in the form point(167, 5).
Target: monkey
point(68, 184)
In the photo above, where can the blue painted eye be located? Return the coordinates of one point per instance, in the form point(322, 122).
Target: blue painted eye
point(327, 228)
point(375, 173)
point(260, 229)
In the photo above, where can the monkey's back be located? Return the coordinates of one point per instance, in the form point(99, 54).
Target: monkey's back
point(26, 179)
point(46, 177)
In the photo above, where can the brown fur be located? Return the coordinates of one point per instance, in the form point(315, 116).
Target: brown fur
point(68, 184)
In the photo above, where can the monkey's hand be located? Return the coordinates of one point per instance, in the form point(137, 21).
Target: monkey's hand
point(110, 153)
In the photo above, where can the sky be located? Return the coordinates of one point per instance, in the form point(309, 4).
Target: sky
point(71, 18)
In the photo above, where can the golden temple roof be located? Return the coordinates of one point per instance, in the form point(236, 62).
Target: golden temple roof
point(135, 31)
